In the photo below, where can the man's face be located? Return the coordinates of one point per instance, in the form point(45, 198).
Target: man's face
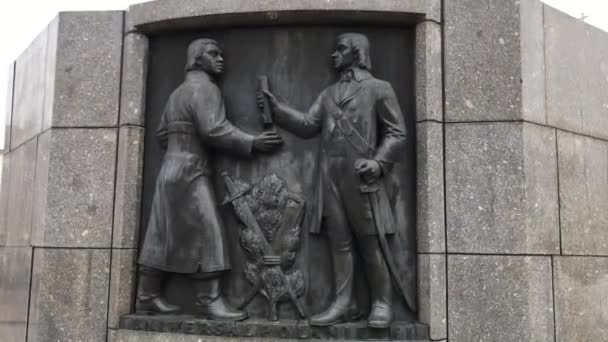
point(211, 60)
point(343, 57)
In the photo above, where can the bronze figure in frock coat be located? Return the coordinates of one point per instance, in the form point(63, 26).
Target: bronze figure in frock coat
point(363, 135)
point(185, 233)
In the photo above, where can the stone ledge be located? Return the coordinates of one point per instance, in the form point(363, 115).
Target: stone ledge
point(155, 16)
point(289, 329)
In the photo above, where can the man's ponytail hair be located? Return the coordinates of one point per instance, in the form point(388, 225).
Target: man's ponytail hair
point(360, 44)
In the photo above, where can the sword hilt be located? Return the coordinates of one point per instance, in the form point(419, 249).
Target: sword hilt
point(233, 192)
point(230, 187)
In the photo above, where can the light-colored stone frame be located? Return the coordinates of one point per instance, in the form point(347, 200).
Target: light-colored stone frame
point(166, 16)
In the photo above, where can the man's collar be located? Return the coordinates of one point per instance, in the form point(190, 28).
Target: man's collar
point(354, 73)
point(199, 75)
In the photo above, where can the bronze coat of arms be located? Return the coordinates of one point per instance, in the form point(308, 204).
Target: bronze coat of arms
point(270, 236)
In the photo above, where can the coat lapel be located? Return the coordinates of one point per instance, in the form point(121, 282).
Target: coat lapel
point(350, 92)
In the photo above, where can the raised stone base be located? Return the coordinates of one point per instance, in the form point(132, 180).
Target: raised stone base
point(287, 329)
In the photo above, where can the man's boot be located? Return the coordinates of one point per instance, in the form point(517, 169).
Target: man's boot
point(380, 285)
point(212, 303)
point(342, 308)
point(149, 294)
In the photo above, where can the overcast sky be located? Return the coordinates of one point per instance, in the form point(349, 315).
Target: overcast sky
point(22, 20)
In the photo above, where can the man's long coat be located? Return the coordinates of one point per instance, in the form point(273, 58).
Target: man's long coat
point(185, 233)
point(359, 117)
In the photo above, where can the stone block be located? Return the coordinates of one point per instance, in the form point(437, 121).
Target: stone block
point(4, 197)
point(432, 295)
point(28, 92)
point(494, 60)
point(85, 86)
point(532, 61)
point(51, 73)
point(134, 76)
point(15, 268)
point(74, 191)
point(430, 215)
point(122, 284)
point(8, 114)
point(429, 87)
point(20, 186)
point(500, 298)
point(577, 74)
point(501, 181)
point(433, 10)
point(129, 177)
point(583, 194)
point(69, 296)
point(581, 284)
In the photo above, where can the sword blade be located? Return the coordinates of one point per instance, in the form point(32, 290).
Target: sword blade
point(388, 256)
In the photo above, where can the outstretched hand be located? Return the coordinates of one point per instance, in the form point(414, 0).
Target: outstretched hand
point(267, 142)
point(274, 102)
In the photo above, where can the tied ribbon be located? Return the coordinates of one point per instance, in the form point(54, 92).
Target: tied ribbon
point(347, 76)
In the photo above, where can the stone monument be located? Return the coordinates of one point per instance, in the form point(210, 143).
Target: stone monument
point(307, 170)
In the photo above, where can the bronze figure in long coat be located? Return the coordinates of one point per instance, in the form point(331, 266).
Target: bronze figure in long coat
point(363, 135)
point(185, 233)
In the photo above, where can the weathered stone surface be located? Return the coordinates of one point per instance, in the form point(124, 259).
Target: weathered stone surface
point(581, 284)
point(494, 60)
point(74, 189)
point(69, 295)
point(4, 198)
point(500, 298)
point(180, 14)
point(86, 84)
point(430, 215)
point(15, 264)
point(127, 208)
point(501, 181)
point(134, 74)
point(583, 194)
point(577, 74)
point(28, 96)
point(122, 284)
point(429, 88)
point(8, 114)
point(432, 295)
point(20, 187)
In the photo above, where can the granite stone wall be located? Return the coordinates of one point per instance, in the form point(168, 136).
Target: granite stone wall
point(526, 171)
point(512, 169)
point(65, 182)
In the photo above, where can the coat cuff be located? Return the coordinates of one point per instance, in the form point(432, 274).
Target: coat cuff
point(248, 145)
point(385, 166)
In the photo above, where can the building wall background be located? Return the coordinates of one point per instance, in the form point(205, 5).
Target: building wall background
point(518, 149)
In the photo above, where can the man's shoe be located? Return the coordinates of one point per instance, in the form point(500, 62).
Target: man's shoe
point(156, 305)
point(218, 309)
point(331, 316)
point(381, 316)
